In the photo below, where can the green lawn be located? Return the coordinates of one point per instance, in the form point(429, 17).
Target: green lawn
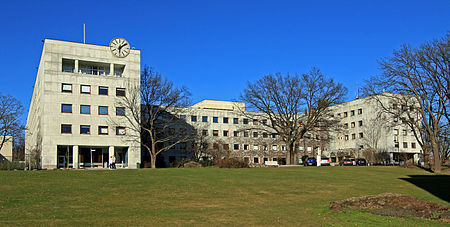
point(204, 196)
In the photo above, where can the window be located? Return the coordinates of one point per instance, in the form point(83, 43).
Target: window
point(120, 91)
point(300, 148)
point(361, 135)
point(274, 159)
point(274, 135)
point(353, 136)
point(405, 145)
point(235, 133)
point(65, 128)
point(345, 114)
point(66, 108)
point(265, 160)
point(359, 111)
point(360, 123)
point(283, 147)
point(120, 131)
point(346, 137)
point(235, 120)
point(85, 109)
point(395, 119)
point(68, 65)
point(225, 120)
point(256, 160)
point(103, 130)
point(103, 110)
point(255, 134)
point(264, 134)
point(85, 129)
point(236, 146)
point(215, 120)
point(265, 147)
point(215, 132)
point(413, 145)
point(395, 144)
point(339, 114)
point(353, 124)
point(245, 121)
point(204, 118)
point(66, 88)
point(85, 89)
point(404, 132)
point(225, 133)
point(255, 122)
point(346, 125)
point(120, 111)
point(183, 117)
point(274, 147)
point(204, 132)
point(245, 147)
point(245, 133)
point(264, 122)
point(394, 106)
point(352, 113)
point(103, 90)
point(194, 118)
point(395, 131)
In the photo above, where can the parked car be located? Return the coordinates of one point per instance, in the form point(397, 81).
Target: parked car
point(310, 162)
point(348, 162)
point(361, 162)
point(324, 161)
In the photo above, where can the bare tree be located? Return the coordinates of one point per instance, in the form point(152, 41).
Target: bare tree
point(154, 114)
point(295, 104)
point(10, 111)
point(421, 76)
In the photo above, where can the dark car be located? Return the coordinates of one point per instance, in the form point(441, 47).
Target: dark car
point(310, 162)
point(347, 162)
point(361, 162)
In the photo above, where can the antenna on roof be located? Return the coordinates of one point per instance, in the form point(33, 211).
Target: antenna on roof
point(357, 91)
point(84, 33)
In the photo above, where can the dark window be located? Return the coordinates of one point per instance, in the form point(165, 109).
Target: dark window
point(225, 120)
point(264, 134)
point(183, 117)
point(345, 114)
point(255, 160)
point(66, 108)
point(120, 111)
point(236, 146)
point(235, 120)
point(66, 128)
point(255, 134)
point(103, 90)
point(85, 89)
point(274, 135)
point(225, 133)
point(193, 118)
point(204, 119)
point(204, 132)
point(235, 133)
point(103, 130)
point(245, 121)
point(361, 135)
point(360, 123)
point(245, 146)
point(215, 132)
point(85, 109)
point(120, 131)
point(359, 111)
point(120, 91)
point(405, 145)
point(255, 122)
point(103, 110)
point(66, 88)
point(352, 113)
point(245, 134)
point(215, 119)
point(413, 145)
point(85, 129)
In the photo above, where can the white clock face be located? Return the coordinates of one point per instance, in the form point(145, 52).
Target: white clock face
point(119, 47)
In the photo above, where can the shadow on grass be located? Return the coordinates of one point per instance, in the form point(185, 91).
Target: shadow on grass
point(438, 185)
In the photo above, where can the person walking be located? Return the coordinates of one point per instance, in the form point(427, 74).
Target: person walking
point(113, 162)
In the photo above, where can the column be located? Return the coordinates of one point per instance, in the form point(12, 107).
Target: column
point(319, 156)
point(75, 157)
point(111, 69)
point(111, 153)
point(76, 66)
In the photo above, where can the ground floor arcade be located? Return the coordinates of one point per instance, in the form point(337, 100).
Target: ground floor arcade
point(70, 156)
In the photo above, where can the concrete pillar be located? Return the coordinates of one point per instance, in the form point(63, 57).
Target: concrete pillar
point(75, 157)
point(76, 66)
point(319, 156)
point(111, 69)
point(111, 153)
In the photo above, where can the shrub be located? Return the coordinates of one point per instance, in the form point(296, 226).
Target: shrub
point(230, 163)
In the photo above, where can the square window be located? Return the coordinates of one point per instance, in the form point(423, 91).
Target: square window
point(353, 124)
point(346, 137)
point(66, 88)
point(274, 135)
point(204, 119)
point(404, 132)
point(245, 133)
point(103, 110)
point(264, 134)
point(225, 133)
point(352, 113)
point(264, 122)
point(120, 91)
point(181, 116)
point(360, 123)
point(245, 121)
point(85, 109)
point(256, 160)
point(225, 120)
point(66, 128)
point(85, 129)
point(235, 133)
point(245, 147)
point(85, 89)
point(345, 114)
point(235, 120)
point(215, 120)
point(103, 90)
point(405, 145)
point(274, 147)
point(255, 122)
point(215, 132)
point(66, 108)
point(255, 134)
point(413, 145)
point(120, 111)
point(194, 118)
point(353, 136)
point(120, 131)
point(359, 111)
point(204, 132)
point(361, 135)
point(103, 130)
point(236, 146)
point(255, 147)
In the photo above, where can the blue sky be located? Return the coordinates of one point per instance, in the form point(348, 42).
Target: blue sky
point(215, 47)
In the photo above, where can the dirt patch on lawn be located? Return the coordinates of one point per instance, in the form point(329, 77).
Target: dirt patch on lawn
point(396, 205)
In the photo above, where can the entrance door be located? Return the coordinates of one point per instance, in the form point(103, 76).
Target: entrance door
point(61, 161)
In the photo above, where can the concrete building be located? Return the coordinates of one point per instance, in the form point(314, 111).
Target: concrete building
point(74, 102)
point(6, 152)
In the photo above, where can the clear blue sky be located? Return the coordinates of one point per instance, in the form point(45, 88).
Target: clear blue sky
point(215, 47)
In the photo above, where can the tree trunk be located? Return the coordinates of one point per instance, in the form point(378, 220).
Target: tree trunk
point(153, 161)
point(436, 156)
point(291, 157)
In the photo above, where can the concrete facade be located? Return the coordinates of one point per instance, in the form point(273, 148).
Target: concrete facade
point(74, 101)
point(7, 148)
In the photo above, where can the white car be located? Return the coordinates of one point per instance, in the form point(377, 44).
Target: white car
point(324, 161)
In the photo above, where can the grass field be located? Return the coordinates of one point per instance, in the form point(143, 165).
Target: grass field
point(206, 196)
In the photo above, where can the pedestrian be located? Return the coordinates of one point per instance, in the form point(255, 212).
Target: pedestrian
point(113, 162)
